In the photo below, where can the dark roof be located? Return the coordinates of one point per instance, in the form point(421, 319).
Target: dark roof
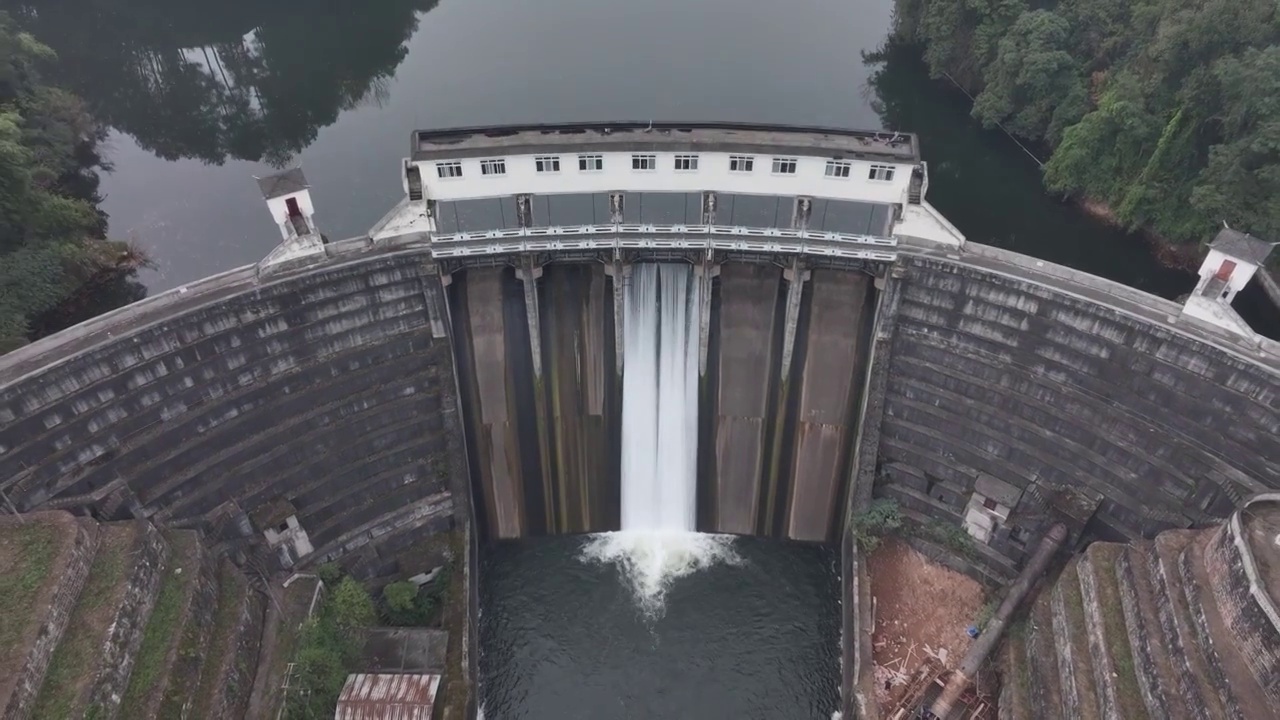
point(1242, 246)
point(289, 181)
point(465, 142)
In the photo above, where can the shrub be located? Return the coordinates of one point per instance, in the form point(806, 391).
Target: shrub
point(881, 518)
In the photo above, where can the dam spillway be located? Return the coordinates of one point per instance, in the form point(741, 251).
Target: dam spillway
point(660, 400)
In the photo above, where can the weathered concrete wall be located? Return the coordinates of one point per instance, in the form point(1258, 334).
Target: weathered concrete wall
point(580, 402)
point(1036, 379)
point(832, 362)
point(324, 393)
point(746, 381)
point(1243, 564)
point(490, 378)
point(149, 559)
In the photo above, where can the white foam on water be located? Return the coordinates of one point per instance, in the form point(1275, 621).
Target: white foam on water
point(651, 560)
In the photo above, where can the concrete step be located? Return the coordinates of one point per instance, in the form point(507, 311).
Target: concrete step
point(1196, 667)
point(1238, 681)
point(90, 668)
point(1044, 685)
point(1070, 633)
point(1015, 685)
point(1114, 672)
point(45, 558)
point(1243, 561)
point(176, 603)
point(191, 652)
point(232, 650)
point(1162, 693)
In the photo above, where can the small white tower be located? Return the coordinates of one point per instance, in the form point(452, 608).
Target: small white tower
point(289, 199)
point(1232, 260)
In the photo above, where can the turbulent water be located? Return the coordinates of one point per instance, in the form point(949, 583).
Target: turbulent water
point(562, 639)
point(657, 543)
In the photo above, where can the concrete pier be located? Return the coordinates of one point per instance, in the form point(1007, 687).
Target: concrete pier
point(497, 443)
point(824, 421)
point(529, 274)
point(796, 276)
point(579, 408)
point(620, 273)
point(748, 304)
point(704, 274)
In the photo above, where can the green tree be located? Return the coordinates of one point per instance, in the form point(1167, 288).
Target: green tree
point(1033, 86)
point(351, 607)
point(52, 245)
point(1241, 182)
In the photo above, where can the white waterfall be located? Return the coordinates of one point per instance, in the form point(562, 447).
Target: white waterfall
point(657, 543)
point(660, 400)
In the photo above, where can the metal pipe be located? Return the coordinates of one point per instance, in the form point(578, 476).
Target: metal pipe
point(986, 642)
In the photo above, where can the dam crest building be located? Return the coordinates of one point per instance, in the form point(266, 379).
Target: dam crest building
point(461, 364)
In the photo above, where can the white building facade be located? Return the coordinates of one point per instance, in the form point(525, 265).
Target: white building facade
point(683, 185)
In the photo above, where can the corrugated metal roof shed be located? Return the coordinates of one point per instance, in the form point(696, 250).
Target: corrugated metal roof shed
point(370, 696)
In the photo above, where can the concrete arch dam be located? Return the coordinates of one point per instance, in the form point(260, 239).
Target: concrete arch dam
point(344, 409)
point(781, 354)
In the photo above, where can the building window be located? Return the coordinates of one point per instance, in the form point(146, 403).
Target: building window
point(590, 163)
point(784, 166)
point(493, 167)
point(741, 163)
point(549, 164)
point(686, 163)
point(881, 172)
point(644, 162)
point(449, 169)
point(838, 169)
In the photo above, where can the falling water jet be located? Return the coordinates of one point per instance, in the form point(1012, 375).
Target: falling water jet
point(657, 543)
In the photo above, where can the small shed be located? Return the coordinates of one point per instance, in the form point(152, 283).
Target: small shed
point(376, 696)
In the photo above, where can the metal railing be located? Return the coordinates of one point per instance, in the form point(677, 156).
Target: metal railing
point(663, 237)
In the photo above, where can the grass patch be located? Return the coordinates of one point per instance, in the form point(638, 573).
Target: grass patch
point(24, 565)
point(1116, 630)
point(161, 629)
point(75, 654)
point(230, 593)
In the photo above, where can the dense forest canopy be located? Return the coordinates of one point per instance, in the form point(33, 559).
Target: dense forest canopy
point(55, 265)
point(1168, 111)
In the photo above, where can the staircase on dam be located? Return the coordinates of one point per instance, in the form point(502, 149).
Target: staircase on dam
point(121, 620)
point(1182, 627)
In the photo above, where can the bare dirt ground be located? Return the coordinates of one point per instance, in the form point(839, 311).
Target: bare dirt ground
point(921, 609)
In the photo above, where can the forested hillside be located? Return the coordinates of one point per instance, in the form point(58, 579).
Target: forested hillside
point(56, 268)
point(1168, 111)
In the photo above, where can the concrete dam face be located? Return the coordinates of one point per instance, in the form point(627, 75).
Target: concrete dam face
point(371, 399)
point(772, 407)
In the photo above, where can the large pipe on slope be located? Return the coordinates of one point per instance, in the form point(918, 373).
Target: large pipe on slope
point(986, 642)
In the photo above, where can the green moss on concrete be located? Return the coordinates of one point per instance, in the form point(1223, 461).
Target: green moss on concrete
point(1128, 694)
point(163, 630)
point(27, 552)
point(231, 593)
point(75, 660)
